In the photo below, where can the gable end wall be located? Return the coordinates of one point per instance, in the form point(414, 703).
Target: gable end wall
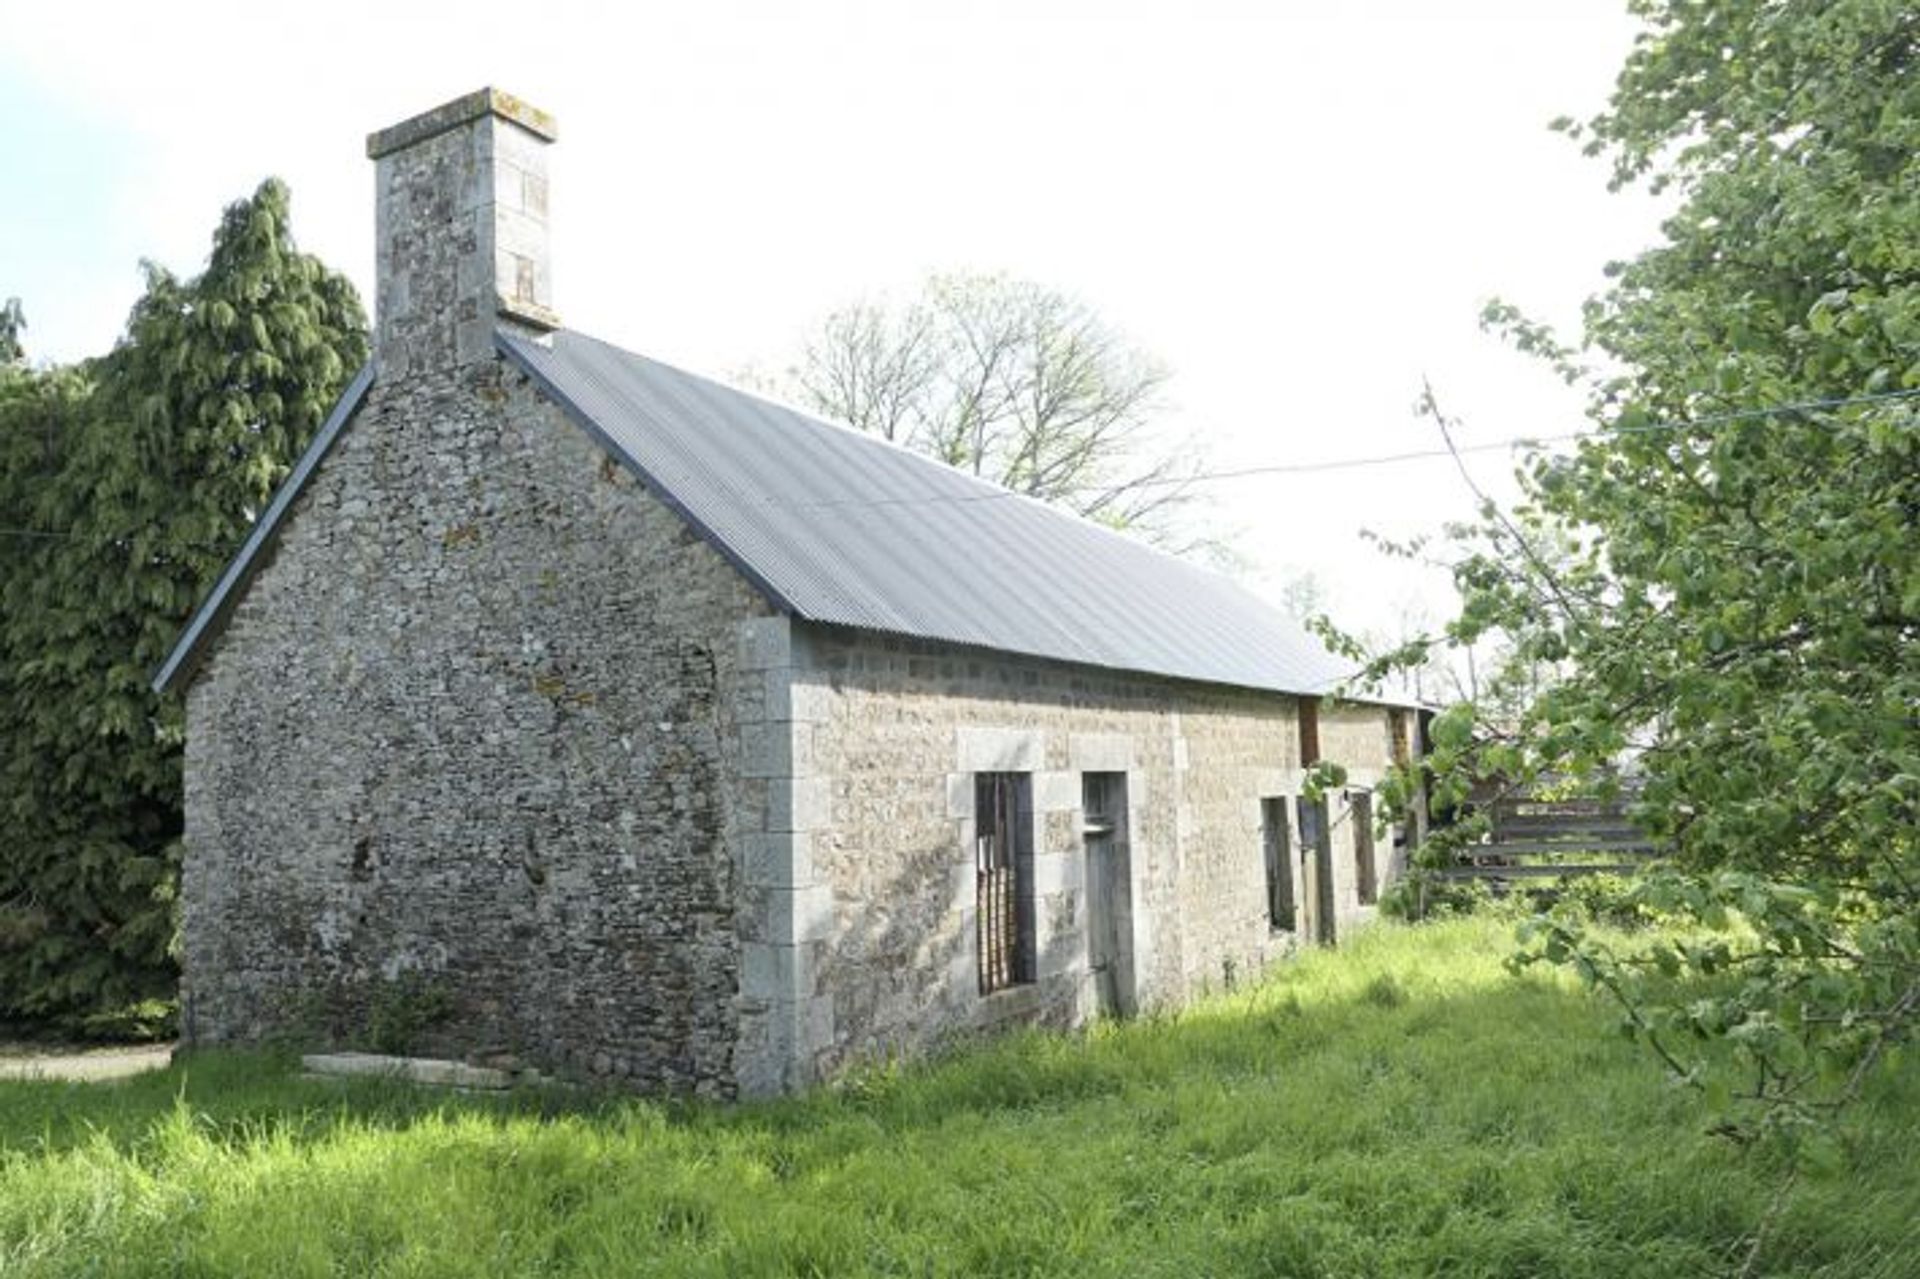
point(466, 763)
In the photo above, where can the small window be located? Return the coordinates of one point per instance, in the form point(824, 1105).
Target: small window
point(1366, 882)
point(1400, 736)
point(1003, 865)
point(1309, 731)
point(1277, 844)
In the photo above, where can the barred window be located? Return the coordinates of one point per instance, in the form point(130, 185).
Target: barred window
point(1003, 865)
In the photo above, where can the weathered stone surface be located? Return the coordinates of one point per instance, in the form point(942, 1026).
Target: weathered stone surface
point(497, 754)
point(416, 1070)
point(462, 110)
point(901, 728)
point(460, 234)
point(471, 740)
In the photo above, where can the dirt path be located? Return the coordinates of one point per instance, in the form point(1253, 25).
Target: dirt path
point(80, 1065)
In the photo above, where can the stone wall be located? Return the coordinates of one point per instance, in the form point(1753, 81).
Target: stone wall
point(1357, 737)
point(1354, 735)
point(885, 738)
point(494, 729)
point(471, 744)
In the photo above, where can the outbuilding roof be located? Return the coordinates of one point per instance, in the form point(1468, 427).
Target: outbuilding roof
point(846, 529)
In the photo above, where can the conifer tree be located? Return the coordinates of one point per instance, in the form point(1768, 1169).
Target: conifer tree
point(182, 434)
point(12, 321)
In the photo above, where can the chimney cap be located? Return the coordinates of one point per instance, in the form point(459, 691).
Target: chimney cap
point(451, 115)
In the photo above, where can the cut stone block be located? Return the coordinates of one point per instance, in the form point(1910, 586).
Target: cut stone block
point(415, 1070)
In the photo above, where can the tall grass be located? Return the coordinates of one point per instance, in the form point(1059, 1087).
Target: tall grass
point(1401, 1107)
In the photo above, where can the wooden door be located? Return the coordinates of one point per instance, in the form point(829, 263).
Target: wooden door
point(1109, 891)
point(1316, 871)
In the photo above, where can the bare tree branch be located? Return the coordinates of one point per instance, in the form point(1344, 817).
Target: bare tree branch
point(1017, 383)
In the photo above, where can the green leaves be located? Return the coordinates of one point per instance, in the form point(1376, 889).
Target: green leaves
point(13, 322)
point(145, 467)
point(1727, 595)
point(1322, 779)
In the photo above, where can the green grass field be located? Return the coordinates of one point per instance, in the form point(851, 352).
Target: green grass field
point(1401, 1107)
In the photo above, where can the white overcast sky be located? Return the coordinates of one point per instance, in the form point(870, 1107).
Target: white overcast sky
point(1299, 207)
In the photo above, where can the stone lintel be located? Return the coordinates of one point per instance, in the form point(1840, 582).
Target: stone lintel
point(1100, 752)
point(999, 750)
point(1271, 782)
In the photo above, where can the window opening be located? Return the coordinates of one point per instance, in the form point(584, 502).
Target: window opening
point(1367, 886)
point(1276, 842)
point(1316, 869)
point(1103, 808)
point(1400, 735)
point(1003, 864)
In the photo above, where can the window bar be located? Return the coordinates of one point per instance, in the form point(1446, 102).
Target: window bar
point(994, 865)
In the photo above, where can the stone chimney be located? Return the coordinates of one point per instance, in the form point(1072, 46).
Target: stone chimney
point(461, 232)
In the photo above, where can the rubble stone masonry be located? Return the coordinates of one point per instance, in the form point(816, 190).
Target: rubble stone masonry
point(468, 753)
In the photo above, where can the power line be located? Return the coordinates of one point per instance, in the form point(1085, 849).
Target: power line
point(995, 494)
point(1416, 455)
point(1646, 428)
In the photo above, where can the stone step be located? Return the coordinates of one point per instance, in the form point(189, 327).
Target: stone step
point(417, 1070)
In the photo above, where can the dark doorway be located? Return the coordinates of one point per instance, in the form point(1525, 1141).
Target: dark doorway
point(1282, 915)
point(1365, 873)
point(1316, 870)
point(1109, 891)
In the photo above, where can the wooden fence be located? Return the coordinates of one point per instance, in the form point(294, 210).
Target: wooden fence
point(1542, 834)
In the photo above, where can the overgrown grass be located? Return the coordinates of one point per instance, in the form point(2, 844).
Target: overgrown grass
point(1401, 1107)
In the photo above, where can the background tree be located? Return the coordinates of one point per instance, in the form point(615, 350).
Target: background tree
point(13, 322)
point(138, 475)
point(1013, 382)
point(1723, 579)
point(1303, 596)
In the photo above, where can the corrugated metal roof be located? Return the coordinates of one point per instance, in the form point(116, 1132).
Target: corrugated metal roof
point(845, 529)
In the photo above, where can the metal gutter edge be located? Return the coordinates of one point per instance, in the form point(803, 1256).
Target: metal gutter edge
point(584, 420)
point(225, 593)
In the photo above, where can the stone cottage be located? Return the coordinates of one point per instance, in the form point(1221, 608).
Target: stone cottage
point(650, 731)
